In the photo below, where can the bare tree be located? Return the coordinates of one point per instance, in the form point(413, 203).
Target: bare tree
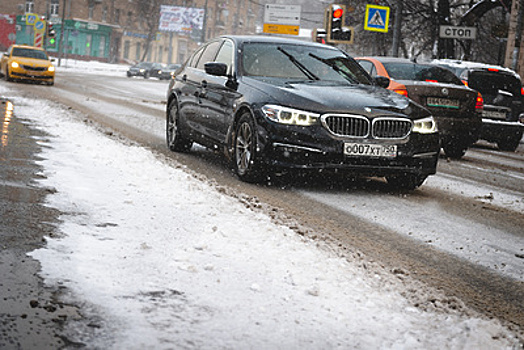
point(148, 13)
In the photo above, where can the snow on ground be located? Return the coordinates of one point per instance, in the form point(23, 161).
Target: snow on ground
point(169, 261)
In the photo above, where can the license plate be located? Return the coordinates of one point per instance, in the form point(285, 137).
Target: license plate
point(494, 114)
point(442, 102)
point(370, 150)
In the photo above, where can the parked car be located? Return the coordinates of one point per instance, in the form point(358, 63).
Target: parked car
point(271, 103)
point(168, 71)
point(501, 88)
point(146, 70)
point(29, 63)
point(455, 107)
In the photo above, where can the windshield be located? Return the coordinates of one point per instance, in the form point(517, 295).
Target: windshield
point(30, 53)
point(300, 62)
point(420, 72)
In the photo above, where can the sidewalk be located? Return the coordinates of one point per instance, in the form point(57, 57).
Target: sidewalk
point(30, 315)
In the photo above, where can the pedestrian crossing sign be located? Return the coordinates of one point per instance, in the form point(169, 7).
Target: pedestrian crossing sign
point(377, 18)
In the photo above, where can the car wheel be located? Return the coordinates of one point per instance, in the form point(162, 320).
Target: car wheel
point(245, 159)
point(146, 75)
point(7, 75)
point(406, 181)
point(175, 141)
point(454, 151)
point(128, 75)
point(509, 144)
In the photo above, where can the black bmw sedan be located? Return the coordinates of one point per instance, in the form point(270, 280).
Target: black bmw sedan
point(271, 103)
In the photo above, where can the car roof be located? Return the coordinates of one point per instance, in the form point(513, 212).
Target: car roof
point(272, 39)
point(28, 47)
point(474, 66)
point(387, 59)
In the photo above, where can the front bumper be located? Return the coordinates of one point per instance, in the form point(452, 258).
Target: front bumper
point(315, 148)
point(23, 74)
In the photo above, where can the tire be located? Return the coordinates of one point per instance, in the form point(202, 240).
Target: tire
point(509, 144)
point(454, 151)
point(246, 163)
point(146, 75)
point(175, 141)
point(7, 75)
point(407, 182)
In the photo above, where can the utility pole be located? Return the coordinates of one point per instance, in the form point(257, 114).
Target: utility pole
point(513, 46)
point(61, 42)
point(396, 30)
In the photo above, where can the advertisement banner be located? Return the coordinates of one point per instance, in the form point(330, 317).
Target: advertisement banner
point(181, 19)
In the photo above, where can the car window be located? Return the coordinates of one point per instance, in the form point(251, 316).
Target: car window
point(368, 66)
point(194, 58)
point(208, 55)
point(225, 54)
point(420, 72)
point(493, 83)
point(292, 61)
point(29, 53)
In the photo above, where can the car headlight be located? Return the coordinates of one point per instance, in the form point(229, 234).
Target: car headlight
point(14, 65)
point(425, 126)
point(142, 70)
point(289, 116)
point(51, 68)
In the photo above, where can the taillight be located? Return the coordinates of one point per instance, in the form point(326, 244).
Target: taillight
point(480, 102)
point(522, 91)
point(493, 69)
point(431, 81)
point(402, 92)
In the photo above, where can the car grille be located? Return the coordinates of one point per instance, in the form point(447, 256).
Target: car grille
point(346, 125)
point(386, 128)
point(36, 69)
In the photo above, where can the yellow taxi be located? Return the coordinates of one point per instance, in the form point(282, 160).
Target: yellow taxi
point(23, 62)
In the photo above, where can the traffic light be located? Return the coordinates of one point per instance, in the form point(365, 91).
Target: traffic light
point(319, 35)
point(50, 30)
point(336, 32)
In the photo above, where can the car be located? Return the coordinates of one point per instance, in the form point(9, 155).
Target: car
point(145, 70)
point(273, 104)
point(27, 63)
point(501, 88)
point(168, 71)
point(456, 107)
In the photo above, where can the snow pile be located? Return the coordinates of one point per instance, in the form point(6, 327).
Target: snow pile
point(169, 261)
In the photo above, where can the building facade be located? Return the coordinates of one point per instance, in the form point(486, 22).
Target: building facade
point(125, 31)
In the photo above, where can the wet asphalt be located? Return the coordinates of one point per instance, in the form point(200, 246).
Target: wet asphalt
point(31, 315)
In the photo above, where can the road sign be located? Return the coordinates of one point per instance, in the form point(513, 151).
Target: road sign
point(377, 18)
point(451, 32)
point(31, 18)
point(40, 26)
point(282, 19)
point(39, 40)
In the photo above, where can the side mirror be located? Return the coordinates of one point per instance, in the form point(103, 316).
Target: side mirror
point(381, 81)
point(215, 68)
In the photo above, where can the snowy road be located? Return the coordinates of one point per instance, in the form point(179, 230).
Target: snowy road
point(457, 217)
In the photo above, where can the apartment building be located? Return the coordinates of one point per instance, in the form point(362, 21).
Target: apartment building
point(127, 30)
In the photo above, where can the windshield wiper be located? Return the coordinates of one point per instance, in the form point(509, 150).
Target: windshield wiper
point(333, 66)
point(300, 66)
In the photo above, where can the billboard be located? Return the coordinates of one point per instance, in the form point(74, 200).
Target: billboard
point(181, 19)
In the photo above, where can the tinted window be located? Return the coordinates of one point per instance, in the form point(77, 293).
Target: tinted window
point(30, 53)
point(208, 55)
point(194, 59)
point(302, 62)
point(420, 72)
point(368, 66)
point(492, 83)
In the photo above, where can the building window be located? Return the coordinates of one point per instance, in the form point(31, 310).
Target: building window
point(137, 52)
point(104, 14)
point(91, 10)
point(127, 45)
point(54, 8)
point(117, 16)
point(29, 6)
